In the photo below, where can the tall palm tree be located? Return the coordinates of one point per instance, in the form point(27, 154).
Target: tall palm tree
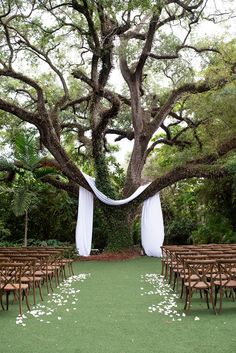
point(22, 175)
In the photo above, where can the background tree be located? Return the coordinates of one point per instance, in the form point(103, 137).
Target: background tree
point(55, 64)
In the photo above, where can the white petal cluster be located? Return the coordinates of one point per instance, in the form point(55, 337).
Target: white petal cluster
point(66, 296)
point(168, 305)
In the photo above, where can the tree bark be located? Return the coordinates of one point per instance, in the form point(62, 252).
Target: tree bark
point(26, 228)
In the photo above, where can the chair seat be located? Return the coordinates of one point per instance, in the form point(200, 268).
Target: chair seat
point(192, 277)
point(30, 279)
point(197, 285)
point(66, 261)
point(40, 273)
point(43, 273)
point(229, 284)
point(217, 277)
point(11, 287)
point(52, 268)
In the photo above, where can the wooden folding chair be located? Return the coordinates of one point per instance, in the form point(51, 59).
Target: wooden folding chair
point(11, 275)
point(226, 279)
point(28, 274)
point(199, 277)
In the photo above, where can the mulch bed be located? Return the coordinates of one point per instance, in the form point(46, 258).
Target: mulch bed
point(111, 256)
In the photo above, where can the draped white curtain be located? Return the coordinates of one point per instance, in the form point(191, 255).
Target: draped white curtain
point(152, 230)
point(152, 227)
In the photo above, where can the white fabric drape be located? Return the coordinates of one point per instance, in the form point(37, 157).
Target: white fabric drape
point(106, 199)
point(152, 233)
point(84, 226)
point(152, 227)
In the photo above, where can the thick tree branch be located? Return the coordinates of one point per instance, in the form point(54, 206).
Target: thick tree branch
point(109, 113)
point(121, 134)
point(29, 81)
point(69, 187)
point(171, 142)
point(222, 150)
point(76, 102)
point(45, 57)
point(81, 76)
point(126, 72)
point(178, 49)
point(202, 167)
point(147, 46)
point(186, 5)
point(92, 28)
point(181, 173)
point(19, 112)
point(193, 88)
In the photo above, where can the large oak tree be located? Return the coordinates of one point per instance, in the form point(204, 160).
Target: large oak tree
point(56, 62)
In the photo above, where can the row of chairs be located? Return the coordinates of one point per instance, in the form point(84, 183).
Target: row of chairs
point(210, 269)
point(26, 269)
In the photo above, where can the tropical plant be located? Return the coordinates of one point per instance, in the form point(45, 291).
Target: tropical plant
point(22, 175)
point(56, 75)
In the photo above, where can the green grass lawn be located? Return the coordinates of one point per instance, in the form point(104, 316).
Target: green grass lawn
point(115, 310)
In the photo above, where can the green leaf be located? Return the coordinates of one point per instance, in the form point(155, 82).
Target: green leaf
point(22, 200)
point(25, 150)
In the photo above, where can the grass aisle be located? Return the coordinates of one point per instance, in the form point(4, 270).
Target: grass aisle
point(112, 312)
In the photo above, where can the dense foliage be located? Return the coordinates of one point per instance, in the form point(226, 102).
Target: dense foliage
point(200, 212)
point(59, 64)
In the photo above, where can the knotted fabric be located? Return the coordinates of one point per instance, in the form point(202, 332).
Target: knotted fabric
point(152, 227)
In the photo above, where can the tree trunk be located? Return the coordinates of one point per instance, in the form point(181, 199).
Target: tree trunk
point(26, 229)
point(117, 224)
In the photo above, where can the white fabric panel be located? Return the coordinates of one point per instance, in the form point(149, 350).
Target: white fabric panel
point(109, 201)
point(84, 227)
point(152, 227)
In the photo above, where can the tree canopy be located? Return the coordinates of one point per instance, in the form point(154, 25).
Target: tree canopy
point(58, 64)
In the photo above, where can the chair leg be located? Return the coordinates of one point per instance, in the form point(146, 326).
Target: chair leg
point(20, 302)
point(71, 268)
point(232, 294)
point(7, 299)
point(46, 280)
point(186, 298)
point(182, 289)
point(216, 292)
point(26, 293)
point(50, 282)
point(221, 298)
point(212, 300)
point(190, 298)
point(40, 291)
point(1, 302)
point(175, 279)
point(166, 271)
point(34, 292)
point(56, 277)
point(63, 272)
point(170, 279)
point(206, 298)
point(162, 266)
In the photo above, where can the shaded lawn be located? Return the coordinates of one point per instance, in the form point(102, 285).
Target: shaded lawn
point(112, 315)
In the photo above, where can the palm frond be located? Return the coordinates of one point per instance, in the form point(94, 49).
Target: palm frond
point(22, 200)
point(6, 165)
point(26, 151)
point(9, 170)
point(4, 189)
point(41, 172)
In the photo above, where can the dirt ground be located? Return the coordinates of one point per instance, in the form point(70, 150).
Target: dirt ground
point(111, 256)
